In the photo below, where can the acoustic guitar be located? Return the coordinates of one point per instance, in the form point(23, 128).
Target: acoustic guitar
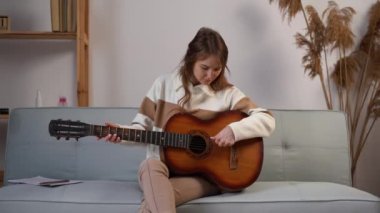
point(187, 147)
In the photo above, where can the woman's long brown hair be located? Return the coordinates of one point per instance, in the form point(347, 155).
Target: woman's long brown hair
point(206, 42)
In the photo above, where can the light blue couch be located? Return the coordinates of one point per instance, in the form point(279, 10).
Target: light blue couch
point(306, 168)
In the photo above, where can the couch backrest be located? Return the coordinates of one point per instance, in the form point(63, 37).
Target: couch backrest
point(307, 145)
point(31, 151)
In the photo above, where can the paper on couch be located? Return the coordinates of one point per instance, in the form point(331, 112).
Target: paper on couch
point(43, 181)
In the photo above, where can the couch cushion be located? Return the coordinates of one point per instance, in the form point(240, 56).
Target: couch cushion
point(261, 197)
point(87, 196)
point(288, 197)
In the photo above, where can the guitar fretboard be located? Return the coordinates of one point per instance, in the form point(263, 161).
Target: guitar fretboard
point(165, 139)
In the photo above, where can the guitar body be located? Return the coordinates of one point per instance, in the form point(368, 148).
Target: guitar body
point(231, 168)
point(188, 149)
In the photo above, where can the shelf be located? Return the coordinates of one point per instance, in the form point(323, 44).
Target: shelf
point(37, 35)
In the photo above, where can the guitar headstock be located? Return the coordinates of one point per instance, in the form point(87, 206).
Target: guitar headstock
point(68, 129)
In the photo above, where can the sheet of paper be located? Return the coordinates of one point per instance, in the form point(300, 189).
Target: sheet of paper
point(43, 181)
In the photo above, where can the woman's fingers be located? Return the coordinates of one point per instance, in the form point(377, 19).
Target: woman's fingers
point(113, 138)
point(224, 138)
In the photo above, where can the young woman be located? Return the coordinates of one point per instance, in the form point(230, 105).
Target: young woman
point(200, 88)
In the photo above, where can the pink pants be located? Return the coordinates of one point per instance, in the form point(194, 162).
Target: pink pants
point(162, 194)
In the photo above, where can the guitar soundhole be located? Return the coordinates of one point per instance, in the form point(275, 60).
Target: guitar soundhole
point(198, 145)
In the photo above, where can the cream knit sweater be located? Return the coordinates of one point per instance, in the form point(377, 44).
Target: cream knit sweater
point(161, 102)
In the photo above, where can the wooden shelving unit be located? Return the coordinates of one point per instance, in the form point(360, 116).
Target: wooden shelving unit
point(82, 49)
point(37, 35)
point(82, 52)
point(81, 38)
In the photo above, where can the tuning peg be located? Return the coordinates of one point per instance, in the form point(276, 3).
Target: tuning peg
point(77, 138)
point(58, 137)
point(67, 138)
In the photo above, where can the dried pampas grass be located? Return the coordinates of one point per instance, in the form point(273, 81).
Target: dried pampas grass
point(344, 76)
point(356, 75)
point(289, 8)
point(338, 31)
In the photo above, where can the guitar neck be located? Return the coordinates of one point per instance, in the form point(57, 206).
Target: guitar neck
point(165, 139)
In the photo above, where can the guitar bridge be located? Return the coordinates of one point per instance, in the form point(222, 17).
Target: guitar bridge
point(233, 158)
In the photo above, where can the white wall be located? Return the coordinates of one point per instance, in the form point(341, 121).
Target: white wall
point(134, 41)
point(140, 40)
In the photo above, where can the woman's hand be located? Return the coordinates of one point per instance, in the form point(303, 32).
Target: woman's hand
point(225, 137)
point(113, 138)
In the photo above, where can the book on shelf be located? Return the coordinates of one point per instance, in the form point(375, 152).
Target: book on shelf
point(54, 13)
point(63, 15)
point(5, 23)
point(69, 14)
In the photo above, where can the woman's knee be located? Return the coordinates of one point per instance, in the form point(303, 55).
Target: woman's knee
point(153, 165)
